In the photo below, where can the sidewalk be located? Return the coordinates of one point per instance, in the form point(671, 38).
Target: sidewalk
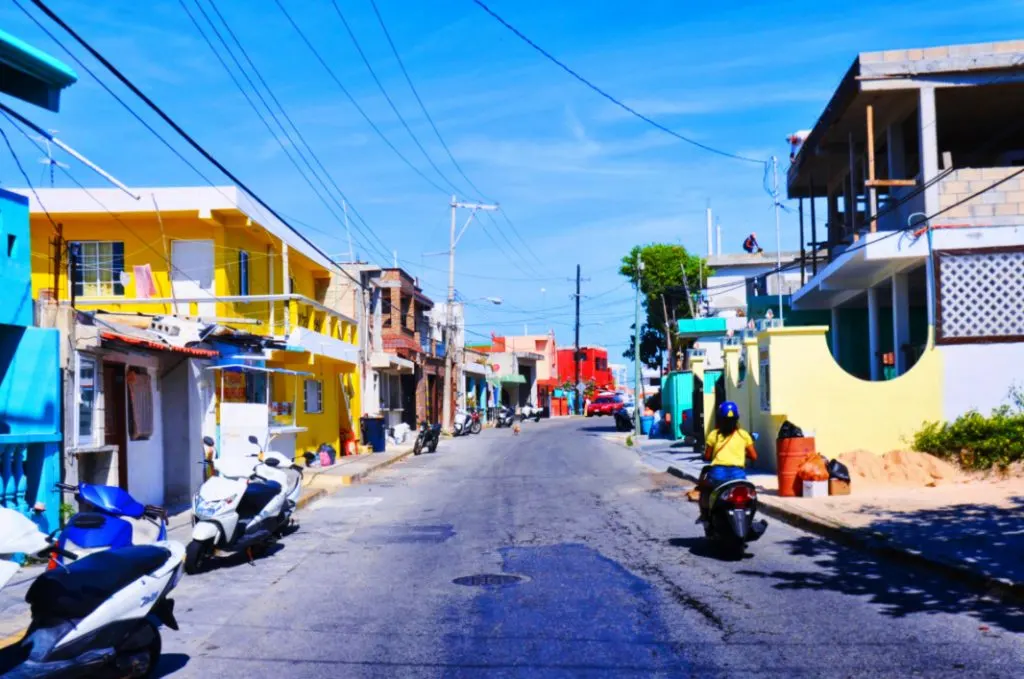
point(973, 531)
point(317, 482)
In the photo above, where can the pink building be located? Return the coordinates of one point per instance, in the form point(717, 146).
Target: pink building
point(547, 368)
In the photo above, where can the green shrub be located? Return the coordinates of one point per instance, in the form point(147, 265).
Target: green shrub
point(977, 441)
point(629, 441)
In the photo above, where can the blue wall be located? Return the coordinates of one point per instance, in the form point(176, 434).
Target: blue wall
point(30, 381)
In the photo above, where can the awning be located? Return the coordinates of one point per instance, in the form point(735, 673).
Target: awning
point(258, 369)
point(380, 360)
point(475, 369)
point(507, 379)
point(145, 343)
point(31, 74)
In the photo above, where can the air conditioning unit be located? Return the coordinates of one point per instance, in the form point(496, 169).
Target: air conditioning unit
point(178, 332)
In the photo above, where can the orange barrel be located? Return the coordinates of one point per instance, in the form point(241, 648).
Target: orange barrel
point(790, 454)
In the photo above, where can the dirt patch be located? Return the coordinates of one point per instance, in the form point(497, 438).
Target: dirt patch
point(900, 468)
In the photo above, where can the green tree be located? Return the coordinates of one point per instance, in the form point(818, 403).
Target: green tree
point(670, 278)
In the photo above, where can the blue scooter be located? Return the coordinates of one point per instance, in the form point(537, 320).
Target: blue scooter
point(104, 525)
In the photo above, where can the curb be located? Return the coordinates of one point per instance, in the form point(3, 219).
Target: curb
point(878, 544)
point(349, 479)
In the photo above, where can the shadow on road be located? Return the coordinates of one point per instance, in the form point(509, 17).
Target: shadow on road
point(604, 429)
point(989, 537)
point(170, 663)
point(705, 548)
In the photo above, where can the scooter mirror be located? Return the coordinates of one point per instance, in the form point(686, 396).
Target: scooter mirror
point(253, 440)
point(208, 441)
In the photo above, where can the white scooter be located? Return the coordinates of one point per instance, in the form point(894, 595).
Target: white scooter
point(99, 616)
point(461, 423)
point(247, 503)
point(531, 412)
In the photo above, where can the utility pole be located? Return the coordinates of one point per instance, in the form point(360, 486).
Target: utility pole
point(778, 236)
point(449, 363)
point(637, 396)
point(576, 352)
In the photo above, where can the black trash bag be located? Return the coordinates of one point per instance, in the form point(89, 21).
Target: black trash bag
point(788, 430)
point(838, 470)
point(312, 460)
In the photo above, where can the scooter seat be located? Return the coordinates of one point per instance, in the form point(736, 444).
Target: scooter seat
point(77, 590)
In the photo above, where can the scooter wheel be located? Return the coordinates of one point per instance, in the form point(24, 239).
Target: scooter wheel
point(196, 554)
point(144, 646)
point(417, 448)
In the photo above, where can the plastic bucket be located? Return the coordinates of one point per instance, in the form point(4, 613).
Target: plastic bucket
point(646, 422)
point(790, 454)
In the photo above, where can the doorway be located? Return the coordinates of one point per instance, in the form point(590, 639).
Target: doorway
point(409, 400)
point(115, 417)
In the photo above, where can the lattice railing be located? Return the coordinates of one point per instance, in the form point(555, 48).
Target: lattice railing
point(980, 295)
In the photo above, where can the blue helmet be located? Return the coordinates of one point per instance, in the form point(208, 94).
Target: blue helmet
point(728, 409)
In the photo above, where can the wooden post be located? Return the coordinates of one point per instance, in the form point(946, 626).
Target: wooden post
point(58, 253)
point(872, 191)
point(851, 209)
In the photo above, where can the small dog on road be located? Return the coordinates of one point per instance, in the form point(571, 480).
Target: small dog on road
point(515, 429)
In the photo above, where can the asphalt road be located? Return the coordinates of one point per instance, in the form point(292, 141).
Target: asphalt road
point(616, 580)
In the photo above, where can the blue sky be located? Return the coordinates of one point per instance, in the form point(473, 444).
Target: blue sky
point(581, 180)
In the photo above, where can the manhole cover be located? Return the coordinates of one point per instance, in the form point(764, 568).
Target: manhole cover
point(488, 580)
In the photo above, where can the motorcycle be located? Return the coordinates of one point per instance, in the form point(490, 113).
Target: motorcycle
point(531, 412)
point(98, 616)
point(112, 519)
point(427, 438)
point(476, 424)
point(729, 518)
point(504, 417)
point(247, 503)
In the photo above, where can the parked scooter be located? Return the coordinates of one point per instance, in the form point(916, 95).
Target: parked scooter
point(531, 412)
point(96, 617)
point(461, 423)
point(427, 438)
point(109, 518)
point(476, 424)
point(504, 416)
point(248, 503)
point(730, 515)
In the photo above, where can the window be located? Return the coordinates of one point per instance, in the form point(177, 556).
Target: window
point(765, 387)
point(312, 397)
point(86, 399)
point(243, 272)
point(390, 392)
point(98, 268)
point(140, 404)
point(385, 309)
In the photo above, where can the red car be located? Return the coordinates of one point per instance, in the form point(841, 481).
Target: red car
point(604, 405)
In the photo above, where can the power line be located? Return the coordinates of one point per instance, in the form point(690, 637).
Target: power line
point(298, 133)
point(387, 97)
point(608, 96)
point(419, 100)
point(352, 100)
point(177, 128)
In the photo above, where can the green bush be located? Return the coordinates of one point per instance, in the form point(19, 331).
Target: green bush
point(977, 441)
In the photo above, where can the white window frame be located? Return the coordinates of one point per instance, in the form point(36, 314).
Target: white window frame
point(319, 392)
point(115, 276)
point(90, 439)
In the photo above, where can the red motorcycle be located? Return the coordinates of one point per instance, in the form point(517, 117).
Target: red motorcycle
point(475, 423)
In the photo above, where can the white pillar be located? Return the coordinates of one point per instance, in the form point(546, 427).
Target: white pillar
point(835, 333)
point(900, 320)
point(928, 147)
point(876, 368)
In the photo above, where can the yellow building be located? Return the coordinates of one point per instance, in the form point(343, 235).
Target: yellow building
point(214, 255)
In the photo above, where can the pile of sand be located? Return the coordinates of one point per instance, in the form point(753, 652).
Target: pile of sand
point(899, 468)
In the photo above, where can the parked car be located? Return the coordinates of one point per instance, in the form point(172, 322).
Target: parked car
point(604, 405)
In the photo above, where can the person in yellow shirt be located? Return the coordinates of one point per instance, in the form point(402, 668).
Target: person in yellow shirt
point(728, 447)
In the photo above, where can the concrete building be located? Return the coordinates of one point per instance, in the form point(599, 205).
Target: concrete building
point(736, 277)
point(916, 164)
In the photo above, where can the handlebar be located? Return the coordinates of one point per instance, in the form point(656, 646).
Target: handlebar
point(70, 556)
point(66, 487)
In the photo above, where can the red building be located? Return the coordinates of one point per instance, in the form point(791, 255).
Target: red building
point(593, 366)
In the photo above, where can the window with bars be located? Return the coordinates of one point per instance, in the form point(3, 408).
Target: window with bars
point(312, 397)
point(243, 272)
point(97, 270)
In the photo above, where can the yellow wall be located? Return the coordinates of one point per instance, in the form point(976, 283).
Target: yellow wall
point(811, 390)
point(144, 244)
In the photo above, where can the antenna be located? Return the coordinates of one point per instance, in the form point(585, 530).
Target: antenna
point(48, 160)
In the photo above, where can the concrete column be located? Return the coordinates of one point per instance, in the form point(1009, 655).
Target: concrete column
point(876, 368)
point(929, 154)
point(900, 320)
point(835, 333)
point(895, 152)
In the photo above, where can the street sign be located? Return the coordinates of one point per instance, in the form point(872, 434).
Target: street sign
point(581, 387)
